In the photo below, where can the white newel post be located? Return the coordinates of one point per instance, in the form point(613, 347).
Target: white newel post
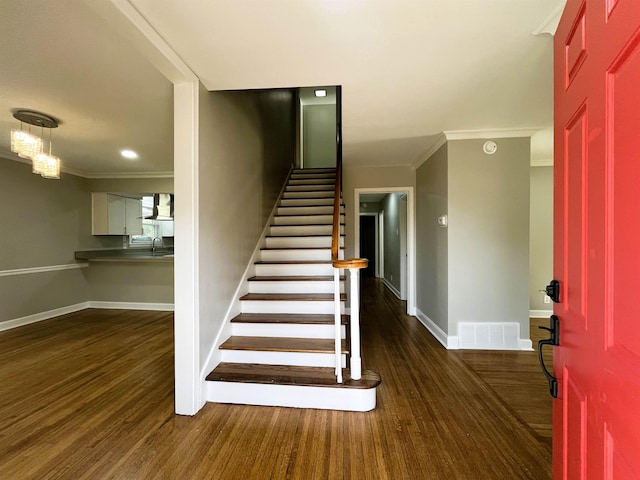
point(356, 361)
point(338, 322)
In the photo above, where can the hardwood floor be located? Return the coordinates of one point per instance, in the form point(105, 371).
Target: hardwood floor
point(90, 396)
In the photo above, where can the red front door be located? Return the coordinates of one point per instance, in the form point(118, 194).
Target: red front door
point(596, 426)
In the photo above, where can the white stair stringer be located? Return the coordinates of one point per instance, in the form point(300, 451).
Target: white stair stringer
point(280, 352)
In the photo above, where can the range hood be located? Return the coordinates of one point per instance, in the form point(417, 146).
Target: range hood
point(162, 207)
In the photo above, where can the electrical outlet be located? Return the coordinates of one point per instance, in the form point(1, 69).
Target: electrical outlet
point(547, 299)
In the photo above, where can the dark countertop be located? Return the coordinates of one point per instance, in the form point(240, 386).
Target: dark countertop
point(163, 255)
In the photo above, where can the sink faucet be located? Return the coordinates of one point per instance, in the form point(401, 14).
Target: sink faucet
point(153, 245)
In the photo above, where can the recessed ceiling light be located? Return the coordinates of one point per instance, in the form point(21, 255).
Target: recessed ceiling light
point(320, 93)
point(130, 154)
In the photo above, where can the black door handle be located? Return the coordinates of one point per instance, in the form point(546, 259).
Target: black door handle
point(554, 341)
point(553, 291)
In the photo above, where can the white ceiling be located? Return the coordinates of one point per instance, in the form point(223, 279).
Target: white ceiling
point(409, 69)
point(60, 58)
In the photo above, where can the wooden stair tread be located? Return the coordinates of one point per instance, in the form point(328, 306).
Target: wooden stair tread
point(290, 375)
point(292, 318)
point(308, 206)
point(299, 248)
point(293, 262)
point(285, 215)
point(292, 278)
point(280, 344)
point(304, 236)
point(303, 225)
point(292, 297)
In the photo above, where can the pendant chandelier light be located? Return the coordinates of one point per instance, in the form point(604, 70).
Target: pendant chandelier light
point(27, 145)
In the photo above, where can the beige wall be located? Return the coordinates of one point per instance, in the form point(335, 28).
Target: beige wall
point(489, 233)
point(245, 157)
point(541, 246)
point(432, 255)
point(369, 177)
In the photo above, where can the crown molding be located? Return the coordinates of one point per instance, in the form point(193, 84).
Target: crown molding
point(127, 175)
point(493, 133)
point(97, 175)
point(550, 24)
point(439, 142)
point(543, 162)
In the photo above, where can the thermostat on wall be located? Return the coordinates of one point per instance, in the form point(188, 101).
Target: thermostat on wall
point(490, 147)
point(442, 221)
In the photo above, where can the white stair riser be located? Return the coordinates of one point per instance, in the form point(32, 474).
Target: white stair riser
point(301, 242)
point(312, 181)
point(293, 287)
point(281, 358)
point(320, 176)
point(305, 219)
point(295, 396)
point(310, 188)
point(287, 306)
point(293, 230)
point(286, 330)
point(305, 202)
point(304, 269)
point(294, 194)
point(292, 254)
point(310, 210)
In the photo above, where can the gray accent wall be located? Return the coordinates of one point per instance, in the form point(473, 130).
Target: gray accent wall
point(390, 205)
point(488, 204)
point(44, 222)
point(319, 136)
point(244, 158)
point(541, 247)
point(477, 269)
point(432, 253)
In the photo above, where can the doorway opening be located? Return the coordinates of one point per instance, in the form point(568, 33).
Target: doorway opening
point(385, 234)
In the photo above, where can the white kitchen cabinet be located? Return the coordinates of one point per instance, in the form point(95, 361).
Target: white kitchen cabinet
point(113, 214)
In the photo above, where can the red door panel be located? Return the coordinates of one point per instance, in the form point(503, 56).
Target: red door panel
point(597, 240)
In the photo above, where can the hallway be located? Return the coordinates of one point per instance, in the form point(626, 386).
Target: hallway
point(90, 395)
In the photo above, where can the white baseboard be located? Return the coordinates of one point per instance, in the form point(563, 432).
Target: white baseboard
point(449, 342)
point(39, 317)
point(393, 289)
point(540, 313)
point(163, 307)
point(56, 312)
point(526, 344)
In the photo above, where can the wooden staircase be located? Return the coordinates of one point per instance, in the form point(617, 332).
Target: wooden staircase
point(281, 352)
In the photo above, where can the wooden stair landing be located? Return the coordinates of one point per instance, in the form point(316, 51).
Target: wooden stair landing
point(290, 375)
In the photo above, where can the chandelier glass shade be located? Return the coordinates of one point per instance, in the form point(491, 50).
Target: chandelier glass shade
point(46, 165)
point(25, 144)
point(30, 146)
